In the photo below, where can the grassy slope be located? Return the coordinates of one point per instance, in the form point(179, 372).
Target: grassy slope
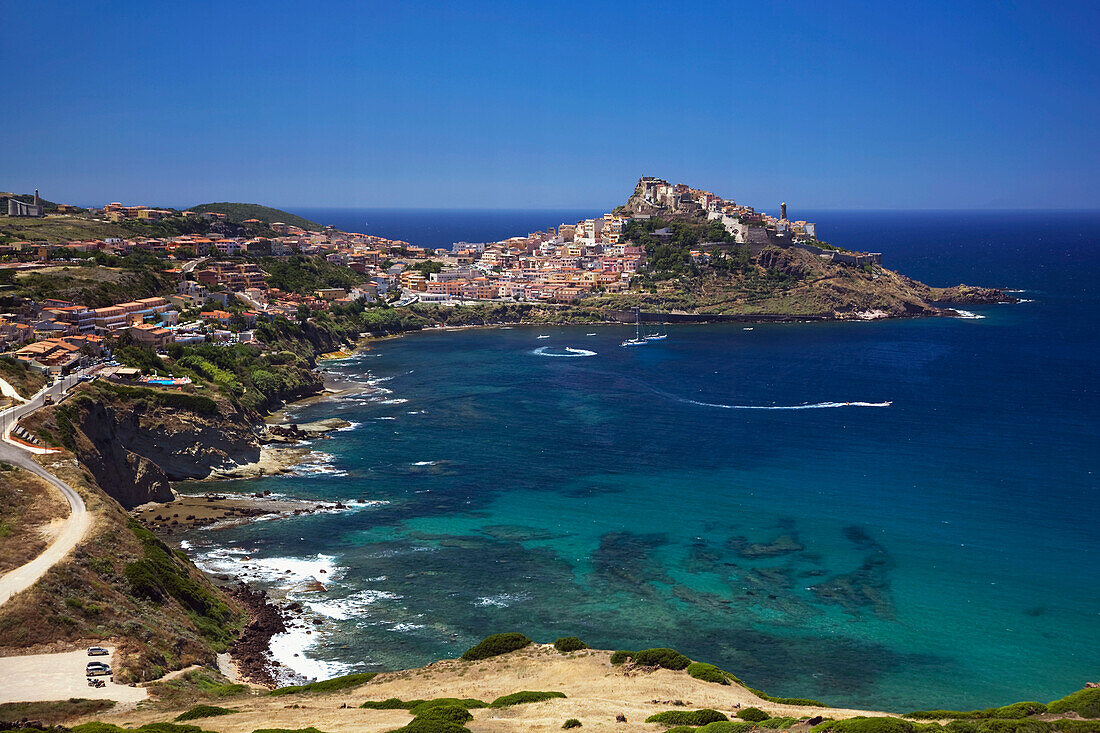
point(236, 213)
point(92, 286)
point(28, 505)
point(26, 381)
point(59, 228)
point(87, 598)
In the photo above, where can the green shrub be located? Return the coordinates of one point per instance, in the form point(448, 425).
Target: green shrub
point(417, 707)
point(962, 726)
point(681, 729)
point(1015, 711)
point(867, 725)
point(775, 723)
point(336, 683)
point(521, 698)
point(661, 657)
point(569, 644)
point(571, 723)
point(170, 728)
point(495, 645)
point(391, 703)
point(96, 727)
point(424, 725)
point(1067, 725)
point(1085, 703)
point(621, 656)
point(708, 673)
point(687, 717)
point(450, 713)
point(726, 726)
point(1026, 725)
point(788, 700)
point(310, 729)
point(203, 711)
point(753, 715)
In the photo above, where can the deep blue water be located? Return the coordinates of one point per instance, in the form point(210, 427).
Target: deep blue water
point(938, 552)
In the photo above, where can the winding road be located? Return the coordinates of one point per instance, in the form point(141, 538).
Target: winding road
point(79, 521)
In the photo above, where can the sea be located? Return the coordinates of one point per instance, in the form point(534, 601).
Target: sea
point(892, 515)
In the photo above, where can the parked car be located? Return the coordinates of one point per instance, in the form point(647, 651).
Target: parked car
point(97, 651)
point(97, 668)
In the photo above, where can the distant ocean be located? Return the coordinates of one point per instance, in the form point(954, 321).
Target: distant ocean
point(741, 495)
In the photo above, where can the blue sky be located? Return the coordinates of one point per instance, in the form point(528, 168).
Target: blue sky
point(936, 104)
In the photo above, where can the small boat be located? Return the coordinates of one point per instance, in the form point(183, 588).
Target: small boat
point(637, 340)
point(544, 337)
point(747, 328)
point(590, 334)
point(656, 336)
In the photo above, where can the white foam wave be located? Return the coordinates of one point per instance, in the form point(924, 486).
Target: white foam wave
point(282, 572)
point(425, 463)
point(813, 406)
point(352, 425)
point(290, 650)
point(501, 600)
point(570, 352)
point(385, 418)
point(353, 606)
point(318, 463)
point(967, 314)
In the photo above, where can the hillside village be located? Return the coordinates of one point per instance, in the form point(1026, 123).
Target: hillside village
point(217, 279)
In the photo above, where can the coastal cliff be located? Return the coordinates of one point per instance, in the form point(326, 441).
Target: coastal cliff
point(135, 442)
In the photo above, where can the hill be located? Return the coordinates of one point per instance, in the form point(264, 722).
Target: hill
point(237, 213)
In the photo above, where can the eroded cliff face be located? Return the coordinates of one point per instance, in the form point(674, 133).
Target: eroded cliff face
point(134, 447)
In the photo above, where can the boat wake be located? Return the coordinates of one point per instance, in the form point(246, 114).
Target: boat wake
point(811, 406)
point(569, 351)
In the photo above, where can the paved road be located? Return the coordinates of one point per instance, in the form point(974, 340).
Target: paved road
point(79, 520)
point(193, 264)
point(37, 677)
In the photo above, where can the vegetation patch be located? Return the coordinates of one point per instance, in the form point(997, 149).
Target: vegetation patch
point(866, 725)
point(310, 729)
point(710, 673)
point(197, 683)
point(777, 723)
point(203, 711)
point(621, 656)
point(687, 717)
point(418, 707)
point(753, 715)
point(521, 698)
point(428, 725)
point(726, 726)
point(53, 712)
point(448, 713)
point(661, 657)
point(1085, 703)
point(336, 683)
point(495, 645)
point(1014, 711)
point(571, 723)
point(569, 644)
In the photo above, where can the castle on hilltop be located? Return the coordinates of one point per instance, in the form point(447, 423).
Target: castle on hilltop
point(656, 196)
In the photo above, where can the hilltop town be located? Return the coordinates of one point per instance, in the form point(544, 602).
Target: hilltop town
point(213, 276)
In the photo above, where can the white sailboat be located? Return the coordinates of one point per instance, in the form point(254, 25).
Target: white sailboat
point(637, 340)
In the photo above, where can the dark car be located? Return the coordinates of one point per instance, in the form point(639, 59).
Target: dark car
point(97, 668)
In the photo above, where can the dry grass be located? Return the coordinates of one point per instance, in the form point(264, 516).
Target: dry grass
point(595, 693)
point(29, 506)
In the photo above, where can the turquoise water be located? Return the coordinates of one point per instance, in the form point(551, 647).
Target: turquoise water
point(938, 551)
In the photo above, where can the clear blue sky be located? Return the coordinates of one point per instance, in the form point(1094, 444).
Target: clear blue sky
point(935, 104)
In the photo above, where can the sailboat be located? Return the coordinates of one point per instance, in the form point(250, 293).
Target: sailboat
point(656, 336)
point(637, 340)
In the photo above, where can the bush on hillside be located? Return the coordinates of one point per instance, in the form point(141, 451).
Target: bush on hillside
point(524, 697)
point(1085, 703)
point(450, 713)
point(661, 657)
point(621, 656)
point(495, 645)
point(1015, 711)
point(687, 717)
point(390, 703)
point(867, 725)
point(571, 723)
point(310, 729)
point(1068, 725)
point(1026, 725)
point(416, 707)
point(425, 725)
point(203, 711)
point(753, 715)
point(777, 723)
point(708, 673)
point(726, 726)
point(569, 644)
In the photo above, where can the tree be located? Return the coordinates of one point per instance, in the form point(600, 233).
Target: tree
point(303, 312)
